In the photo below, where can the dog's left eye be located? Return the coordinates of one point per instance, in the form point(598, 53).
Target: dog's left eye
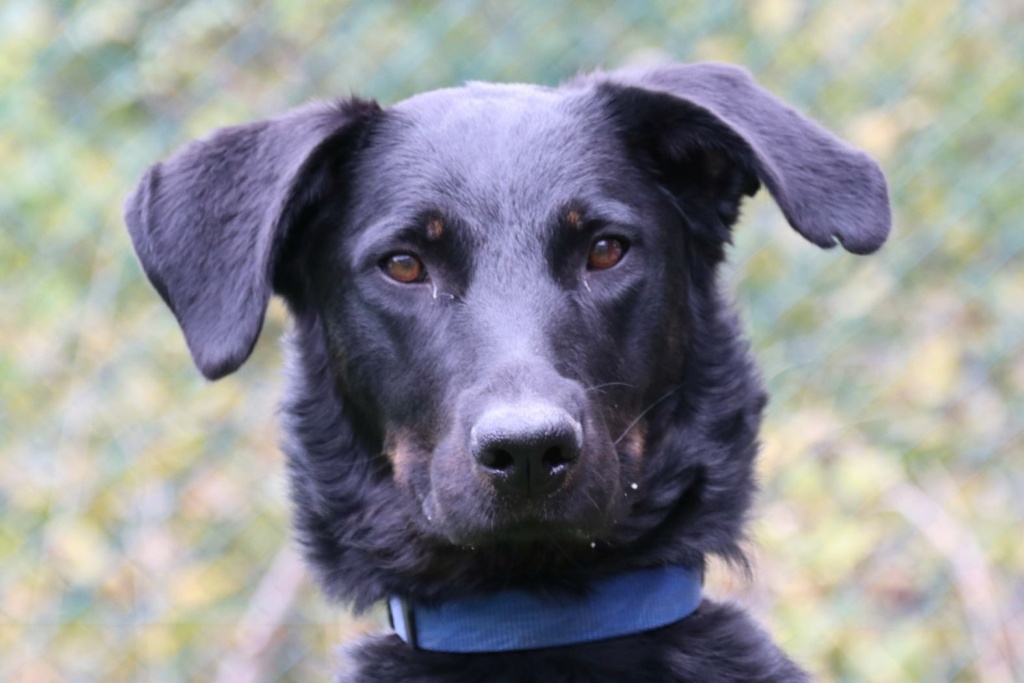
point(404, 268)
point(606, 252)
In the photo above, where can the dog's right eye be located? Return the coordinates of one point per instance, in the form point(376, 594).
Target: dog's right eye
point(606, 252)
point(404, 268)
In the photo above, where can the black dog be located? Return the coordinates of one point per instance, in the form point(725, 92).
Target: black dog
point(519, 398)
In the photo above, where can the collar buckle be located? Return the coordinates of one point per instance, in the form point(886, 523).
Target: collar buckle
point(402, 620)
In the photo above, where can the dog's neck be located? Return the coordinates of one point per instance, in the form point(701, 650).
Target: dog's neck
point(512, 620)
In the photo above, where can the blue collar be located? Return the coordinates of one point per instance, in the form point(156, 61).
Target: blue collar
point(622, 605)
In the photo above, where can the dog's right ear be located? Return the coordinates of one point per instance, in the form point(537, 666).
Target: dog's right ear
point(209, 223)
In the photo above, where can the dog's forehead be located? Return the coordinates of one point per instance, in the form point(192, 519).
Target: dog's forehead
point(485, 128)
point(477, 111)
point(487, 148)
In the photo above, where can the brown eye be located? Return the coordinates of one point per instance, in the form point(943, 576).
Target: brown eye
point(605, 253)
point(404, 268)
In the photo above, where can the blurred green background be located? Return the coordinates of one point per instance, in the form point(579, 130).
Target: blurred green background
point(144, 532)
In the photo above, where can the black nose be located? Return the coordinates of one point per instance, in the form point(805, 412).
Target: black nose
point(526, 449)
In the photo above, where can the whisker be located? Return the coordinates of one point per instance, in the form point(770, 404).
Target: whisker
point(598, 387)
point(644, 412)
point(592, 501)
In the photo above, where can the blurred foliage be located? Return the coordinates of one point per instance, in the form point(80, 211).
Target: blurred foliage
point(144, 516)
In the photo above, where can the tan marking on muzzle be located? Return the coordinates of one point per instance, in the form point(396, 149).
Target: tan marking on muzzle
point(634, 443)
point(400, 450)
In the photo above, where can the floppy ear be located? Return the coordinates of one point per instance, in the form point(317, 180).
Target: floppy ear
point(209, 223)
point(717, 115)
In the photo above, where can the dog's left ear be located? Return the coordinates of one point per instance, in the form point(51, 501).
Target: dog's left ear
point(714, 125)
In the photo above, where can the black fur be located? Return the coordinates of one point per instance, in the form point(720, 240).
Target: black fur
point(501, 191)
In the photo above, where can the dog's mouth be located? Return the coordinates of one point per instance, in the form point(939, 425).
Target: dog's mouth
point(483, 518)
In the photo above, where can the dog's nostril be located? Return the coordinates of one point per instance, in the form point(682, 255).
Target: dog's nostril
point(555, 457)
point(497, 459)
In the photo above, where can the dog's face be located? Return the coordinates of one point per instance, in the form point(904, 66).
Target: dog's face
point(504, 294)
point(509, 334)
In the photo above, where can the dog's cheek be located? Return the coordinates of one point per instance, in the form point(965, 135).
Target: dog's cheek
point(455, 504)
point(620, 466)
point(634, 445)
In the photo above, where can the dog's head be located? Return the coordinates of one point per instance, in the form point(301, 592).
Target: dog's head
point(508, 331)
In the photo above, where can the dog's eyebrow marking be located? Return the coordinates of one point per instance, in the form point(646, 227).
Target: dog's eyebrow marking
point(435, 228)
point(573, 218)
point(577, 215)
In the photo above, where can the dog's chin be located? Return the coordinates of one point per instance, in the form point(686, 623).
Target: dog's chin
point(533, 533)
point(521, 528)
